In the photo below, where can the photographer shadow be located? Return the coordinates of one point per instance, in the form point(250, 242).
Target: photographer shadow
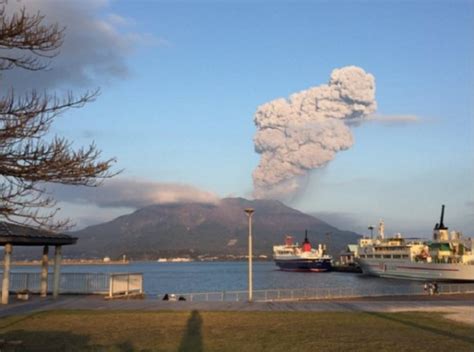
point(192, 338)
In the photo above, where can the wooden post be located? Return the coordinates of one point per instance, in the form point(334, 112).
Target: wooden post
point(44, 272)
point(7, 253)
point(57, 268)
point(128, 284)
point(111, 285)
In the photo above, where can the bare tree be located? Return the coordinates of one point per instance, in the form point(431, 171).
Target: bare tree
point(29, 156)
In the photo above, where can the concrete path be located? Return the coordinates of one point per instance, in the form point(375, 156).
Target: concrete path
point(458, 307)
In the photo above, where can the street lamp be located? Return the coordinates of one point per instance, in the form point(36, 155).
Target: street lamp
point(249, 212)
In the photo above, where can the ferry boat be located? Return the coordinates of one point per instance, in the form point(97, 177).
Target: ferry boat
point(291, 257)
point(447, 257)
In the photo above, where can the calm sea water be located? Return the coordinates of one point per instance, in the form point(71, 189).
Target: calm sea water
point(231, 276)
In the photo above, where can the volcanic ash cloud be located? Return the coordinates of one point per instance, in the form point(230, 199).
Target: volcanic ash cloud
point(304, 132)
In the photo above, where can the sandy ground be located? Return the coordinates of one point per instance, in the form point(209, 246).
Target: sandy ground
point(463, 314)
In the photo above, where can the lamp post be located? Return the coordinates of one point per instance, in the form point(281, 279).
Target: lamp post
point(249, 212)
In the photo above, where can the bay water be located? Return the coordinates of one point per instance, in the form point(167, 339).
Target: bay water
point(160, 278)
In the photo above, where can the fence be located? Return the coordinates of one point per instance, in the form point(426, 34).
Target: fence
point(125, 284)
point(322, 293)
point(80, 283)
point(113, 284)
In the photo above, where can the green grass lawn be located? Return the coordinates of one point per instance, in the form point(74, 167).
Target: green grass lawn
point(233, 331)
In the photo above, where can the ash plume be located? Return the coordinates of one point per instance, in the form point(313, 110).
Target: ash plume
point(305, 131)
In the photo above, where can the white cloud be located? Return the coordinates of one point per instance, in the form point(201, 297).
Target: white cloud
point(394, 119)
point(130, 193)
point(96, 46)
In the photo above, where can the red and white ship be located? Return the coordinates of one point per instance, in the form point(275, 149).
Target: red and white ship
point(292, 257)
point(448, 257)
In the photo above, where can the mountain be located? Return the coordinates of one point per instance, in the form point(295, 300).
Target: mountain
point(198, 229)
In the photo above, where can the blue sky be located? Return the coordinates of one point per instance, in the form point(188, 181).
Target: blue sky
point(197, 71)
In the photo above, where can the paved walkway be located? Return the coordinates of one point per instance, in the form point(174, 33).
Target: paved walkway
point(458, 307)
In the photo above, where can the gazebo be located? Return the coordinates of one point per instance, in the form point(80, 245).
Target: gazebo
point(18, 235)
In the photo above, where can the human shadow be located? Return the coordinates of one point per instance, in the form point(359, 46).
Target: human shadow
point(192, 337)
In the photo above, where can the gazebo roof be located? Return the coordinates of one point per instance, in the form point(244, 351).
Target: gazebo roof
point(19, 235)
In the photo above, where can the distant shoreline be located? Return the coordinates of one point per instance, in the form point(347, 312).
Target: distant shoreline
point(72, 262)
point(127, 262)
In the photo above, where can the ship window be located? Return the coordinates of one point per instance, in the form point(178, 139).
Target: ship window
point(362, 255)
point(378, 256)
point(370, 256)
point(397, 256)
point(405, 256)
point(387, 256)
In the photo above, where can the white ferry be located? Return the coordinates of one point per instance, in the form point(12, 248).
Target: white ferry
point(448, 257)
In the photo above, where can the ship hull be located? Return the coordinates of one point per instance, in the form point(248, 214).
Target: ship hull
point(403, 269)
point(314, 265)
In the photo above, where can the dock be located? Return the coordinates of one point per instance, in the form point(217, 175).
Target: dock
point(347, 269)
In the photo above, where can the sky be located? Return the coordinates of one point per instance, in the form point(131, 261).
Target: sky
point(181, 82)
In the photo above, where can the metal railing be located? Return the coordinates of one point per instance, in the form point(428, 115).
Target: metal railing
point(78, 283)
point(321, 293)
point(125, 284)
point(113, 284)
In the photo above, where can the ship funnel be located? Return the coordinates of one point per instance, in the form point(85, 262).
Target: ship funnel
point(306, 243)
point(441, 220)
point(440, 232)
